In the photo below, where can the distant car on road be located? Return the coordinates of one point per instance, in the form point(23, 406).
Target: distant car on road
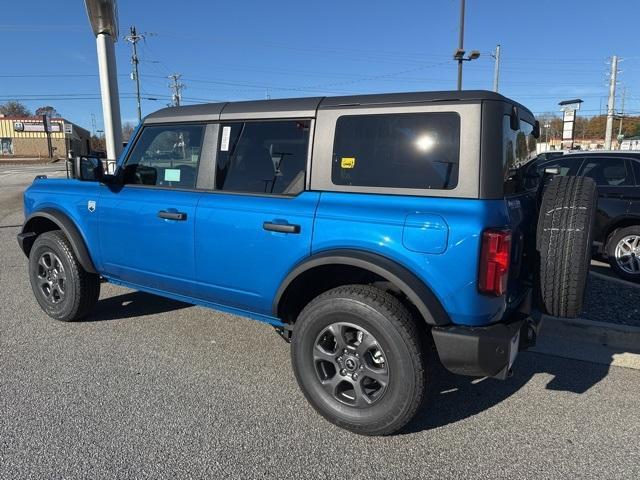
point(617, 229)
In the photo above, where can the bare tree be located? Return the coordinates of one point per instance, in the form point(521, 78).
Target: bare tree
point(47, 110)
point(14, 108)
point(127, 131)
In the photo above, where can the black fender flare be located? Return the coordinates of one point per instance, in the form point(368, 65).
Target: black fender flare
point(68, 227)
point(415, 289)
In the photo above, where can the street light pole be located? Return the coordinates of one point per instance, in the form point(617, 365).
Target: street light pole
point(104, 22)
point(461, 43)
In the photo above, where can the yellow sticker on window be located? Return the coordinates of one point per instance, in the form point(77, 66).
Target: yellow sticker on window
point(348, 162)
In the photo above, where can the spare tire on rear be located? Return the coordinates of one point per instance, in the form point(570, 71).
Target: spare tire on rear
point(563, 240)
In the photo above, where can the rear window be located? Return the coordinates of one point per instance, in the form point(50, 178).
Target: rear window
point(413, 150)
point(608, 172)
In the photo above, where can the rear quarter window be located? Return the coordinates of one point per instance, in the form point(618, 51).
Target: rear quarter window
point(519, 149)
point(413, 150)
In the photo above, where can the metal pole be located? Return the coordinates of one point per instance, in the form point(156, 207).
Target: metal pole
point(109, 94)
point(461, 42)
point(496, 68)
point(611, 102)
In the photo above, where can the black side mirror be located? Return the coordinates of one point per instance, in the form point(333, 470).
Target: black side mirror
point(88, 169)
point(536, 129)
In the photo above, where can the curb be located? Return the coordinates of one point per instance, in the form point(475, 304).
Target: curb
point(590, 341)
point(14, 161)
point(610, 278)
point(613, 335)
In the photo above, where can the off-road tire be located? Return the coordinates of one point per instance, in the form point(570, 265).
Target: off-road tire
point(612, 242)
point(81, 289)
point(564, 243)
point(397, 334)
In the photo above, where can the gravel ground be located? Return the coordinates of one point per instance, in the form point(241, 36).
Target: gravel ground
point(151, 388)
point(613, 301)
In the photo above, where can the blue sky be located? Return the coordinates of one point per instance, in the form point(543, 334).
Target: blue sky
point(233, 50)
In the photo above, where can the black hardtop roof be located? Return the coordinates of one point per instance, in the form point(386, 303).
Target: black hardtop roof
point(308, 105)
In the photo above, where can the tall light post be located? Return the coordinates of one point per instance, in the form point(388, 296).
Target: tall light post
point(103, 16)
point(458, 55)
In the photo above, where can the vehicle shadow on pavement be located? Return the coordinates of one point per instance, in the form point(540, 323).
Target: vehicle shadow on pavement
point(452, 398)
point(132, 304)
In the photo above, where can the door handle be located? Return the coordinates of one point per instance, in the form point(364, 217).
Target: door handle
point(172, 215)
point(281, 227)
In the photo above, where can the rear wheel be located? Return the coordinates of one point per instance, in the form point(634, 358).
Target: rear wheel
point(564, 239)
point(357, 356)
point(63, 289)
point(623, 250)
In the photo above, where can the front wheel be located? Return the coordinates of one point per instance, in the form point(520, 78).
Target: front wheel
point(358, 358)
point(63, 289)
point(623, 250)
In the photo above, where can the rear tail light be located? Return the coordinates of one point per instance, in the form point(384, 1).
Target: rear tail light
point(495, 257)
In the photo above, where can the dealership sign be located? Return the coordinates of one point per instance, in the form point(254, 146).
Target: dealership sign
point(35, 127)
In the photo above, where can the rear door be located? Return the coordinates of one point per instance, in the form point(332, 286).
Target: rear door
point(615, 182)
point(146, 225)
point(257, 223)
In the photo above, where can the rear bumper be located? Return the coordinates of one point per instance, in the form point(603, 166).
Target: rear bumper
point(486, 351)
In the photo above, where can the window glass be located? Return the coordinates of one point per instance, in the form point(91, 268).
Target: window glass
point(263, 157)
point(411, 150)
point(611, 172)
point(566, 166)
point(6, 146)
point(519, 147)
point(165, 156)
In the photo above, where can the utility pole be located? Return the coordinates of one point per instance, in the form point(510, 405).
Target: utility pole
point(496, 68)
point(176, 89)
point(461, 43)
point(133, 38)
point(611, 102)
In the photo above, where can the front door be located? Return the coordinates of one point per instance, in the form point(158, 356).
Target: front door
point(146, 225)
point(258, 222)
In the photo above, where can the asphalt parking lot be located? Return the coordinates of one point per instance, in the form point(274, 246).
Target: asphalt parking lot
point(152, 388)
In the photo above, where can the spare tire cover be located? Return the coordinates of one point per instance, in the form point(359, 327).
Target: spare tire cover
point(563, 240)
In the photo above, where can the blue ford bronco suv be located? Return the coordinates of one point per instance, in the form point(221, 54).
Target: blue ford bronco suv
point(366, 229)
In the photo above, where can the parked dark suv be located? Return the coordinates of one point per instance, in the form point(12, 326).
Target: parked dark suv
point(616, 232)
